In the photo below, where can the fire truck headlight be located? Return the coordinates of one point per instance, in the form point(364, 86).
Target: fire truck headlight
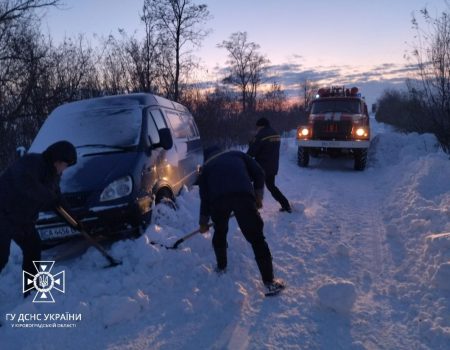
point(360, 132)
point(304, 132)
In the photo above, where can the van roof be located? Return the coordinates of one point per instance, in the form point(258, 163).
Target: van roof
point(126, 100)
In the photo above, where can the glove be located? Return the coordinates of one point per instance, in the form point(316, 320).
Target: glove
point(259, 198)
point(204, 228)
point(204, 224)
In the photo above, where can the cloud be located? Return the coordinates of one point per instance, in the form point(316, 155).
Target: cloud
point(372, 81)
point(293, 74)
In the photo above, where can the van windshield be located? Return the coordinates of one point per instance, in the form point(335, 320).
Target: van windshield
point(344, 106)
point(118, 128)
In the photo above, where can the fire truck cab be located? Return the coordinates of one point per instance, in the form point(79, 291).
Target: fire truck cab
point(338, 123)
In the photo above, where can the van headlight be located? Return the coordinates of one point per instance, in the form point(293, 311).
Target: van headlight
point(117, 189)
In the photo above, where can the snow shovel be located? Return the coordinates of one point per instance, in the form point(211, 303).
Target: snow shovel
point(189, 235)
point(72, 222)
point(182, 239)
point(179, 241)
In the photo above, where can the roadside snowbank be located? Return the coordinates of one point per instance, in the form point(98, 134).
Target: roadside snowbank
point(417, 214)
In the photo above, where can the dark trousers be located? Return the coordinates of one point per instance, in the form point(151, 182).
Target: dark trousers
point(25, 237)
point(276, 193)
point(251, 225)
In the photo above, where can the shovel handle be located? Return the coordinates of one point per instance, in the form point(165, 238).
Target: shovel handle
point(182, 239)
point(72, 222)
point(189, 235)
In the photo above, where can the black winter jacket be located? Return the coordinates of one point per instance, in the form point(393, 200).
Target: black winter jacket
point(265, 148)
point(28, 186)
point(226, 174)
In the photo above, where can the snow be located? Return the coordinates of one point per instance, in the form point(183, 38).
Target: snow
point(339, 296)
point(365, 255)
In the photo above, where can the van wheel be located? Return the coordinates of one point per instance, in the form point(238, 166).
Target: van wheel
point(166, 197)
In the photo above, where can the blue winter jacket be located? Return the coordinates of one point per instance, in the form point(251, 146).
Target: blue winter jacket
point(265, 148)
point(227, 173)
point(28, 186)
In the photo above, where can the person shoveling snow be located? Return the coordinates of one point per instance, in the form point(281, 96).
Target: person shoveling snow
point(226, 186)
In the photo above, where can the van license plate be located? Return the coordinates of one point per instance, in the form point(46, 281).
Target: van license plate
point(57, 232)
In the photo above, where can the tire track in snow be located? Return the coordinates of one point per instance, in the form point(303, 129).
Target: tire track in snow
point(341, 237)
point(355, 206)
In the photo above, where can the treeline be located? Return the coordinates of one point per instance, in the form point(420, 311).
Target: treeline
point(424, 106)
point(221, 121)
point(37, 75)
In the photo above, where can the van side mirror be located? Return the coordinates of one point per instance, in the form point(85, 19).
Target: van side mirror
point(165, 138)
point(21, 151)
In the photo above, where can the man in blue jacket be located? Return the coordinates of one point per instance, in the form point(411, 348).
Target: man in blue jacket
point(232, 181)
point(265, 148)
point(28, 186)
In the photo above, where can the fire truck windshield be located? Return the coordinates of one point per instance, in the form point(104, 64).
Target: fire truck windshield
point(344, 106)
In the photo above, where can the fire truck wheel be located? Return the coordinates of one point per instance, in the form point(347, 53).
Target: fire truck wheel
point(302, 157)
point(360, 159)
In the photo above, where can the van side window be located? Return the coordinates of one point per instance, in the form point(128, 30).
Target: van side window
point(180, 129)
point(189, 122)
point(159, 119)
point(152, 130)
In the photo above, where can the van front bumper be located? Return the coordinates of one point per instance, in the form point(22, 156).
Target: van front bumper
point(109, 220)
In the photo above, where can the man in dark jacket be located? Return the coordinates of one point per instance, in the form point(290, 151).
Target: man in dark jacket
point(28, 186)
point(265, 148)
point(232, 181)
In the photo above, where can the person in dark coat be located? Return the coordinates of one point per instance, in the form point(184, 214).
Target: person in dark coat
point(28, 186)
point(232, 181)
point(265, 148)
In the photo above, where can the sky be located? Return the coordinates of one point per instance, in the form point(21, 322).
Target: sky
point(362, 40)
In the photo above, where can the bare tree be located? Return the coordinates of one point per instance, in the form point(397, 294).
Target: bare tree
point(13, 10)
point(275, 99)
point(246, 67)
point(152, 49)
point(19, 48)
point(308, 91)
point(432, 54)
point(21, 58)
point(71, 72)
point(178, 23)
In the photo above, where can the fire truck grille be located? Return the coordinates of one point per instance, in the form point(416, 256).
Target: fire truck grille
point(331, 129)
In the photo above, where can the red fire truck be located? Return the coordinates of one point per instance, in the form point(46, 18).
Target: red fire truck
point(338, 124)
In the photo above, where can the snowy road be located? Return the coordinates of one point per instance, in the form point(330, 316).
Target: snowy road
point(336, 233)
point(364, 255)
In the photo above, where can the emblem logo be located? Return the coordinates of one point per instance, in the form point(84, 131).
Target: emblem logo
point(44, 281)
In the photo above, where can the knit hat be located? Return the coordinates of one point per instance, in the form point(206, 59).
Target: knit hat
point(262, 122)
point(62, 151)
